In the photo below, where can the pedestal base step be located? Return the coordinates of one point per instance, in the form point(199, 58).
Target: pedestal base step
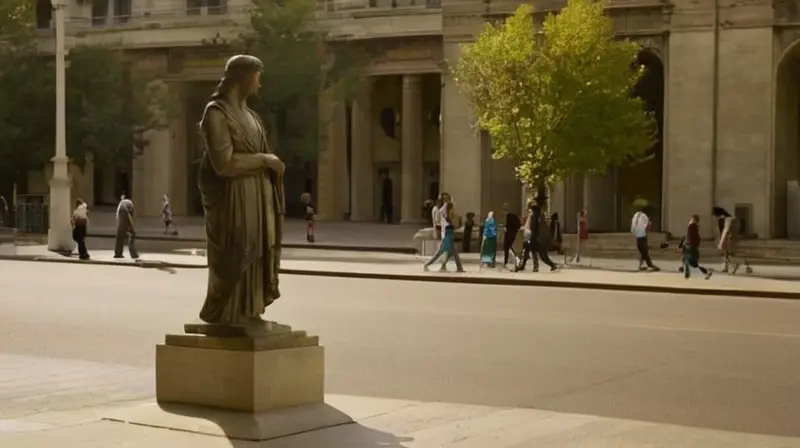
point(233, 425)
point(246, 374)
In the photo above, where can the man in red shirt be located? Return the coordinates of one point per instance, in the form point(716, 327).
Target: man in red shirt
point(691, 249)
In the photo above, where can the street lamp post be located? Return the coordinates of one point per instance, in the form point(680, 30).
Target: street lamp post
point(59, 235)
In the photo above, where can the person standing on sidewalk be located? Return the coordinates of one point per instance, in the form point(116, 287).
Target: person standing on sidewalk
point(387, 197)
point(166, 214)
point(126, 231)
point(640, 227)
point(489, 244)
point(305, 198)
point(436, 218)
point(691, 249)
point(556, 235)
point(80, 222)
point(513, 224)
point(583, 234)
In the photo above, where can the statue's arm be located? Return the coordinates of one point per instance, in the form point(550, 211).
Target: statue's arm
point(219, 146)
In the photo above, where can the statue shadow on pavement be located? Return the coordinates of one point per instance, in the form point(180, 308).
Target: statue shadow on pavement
point(318, 425)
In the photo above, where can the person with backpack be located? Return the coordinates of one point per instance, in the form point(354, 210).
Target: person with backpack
point(536, 242)
point(730, 229)
point(690, 246)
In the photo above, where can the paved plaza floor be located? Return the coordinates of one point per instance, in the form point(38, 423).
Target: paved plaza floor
point(415, 364)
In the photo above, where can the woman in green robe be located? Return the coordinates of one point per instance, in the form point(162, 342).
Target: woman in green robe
point(241, 184)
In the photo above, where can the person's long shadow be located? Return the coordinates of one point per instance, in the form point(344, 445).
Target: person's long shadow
point(313, 426)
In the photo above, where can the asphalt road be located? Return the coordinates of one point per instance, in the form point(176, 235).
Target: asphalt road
point(73, 336)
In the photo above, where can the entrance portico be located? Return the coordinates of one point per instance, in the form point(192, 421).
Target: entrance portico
point(394, 137)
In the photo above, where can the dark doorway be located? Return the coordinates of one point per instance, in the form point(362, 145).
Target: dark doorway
point(641, 180)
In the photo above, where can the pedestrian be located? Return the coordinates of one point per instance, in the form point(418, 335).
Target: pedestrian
point(453, 220)
point(536, 243)
point(691, 249)
point(305, 198)
point(640, 226)
point(447, 245)
point(436, 219)
point(387, 197)
point(583, 234)
point(556, 235)
point(80, 223)
point(512, 226)
point(729, 234)
point(126, 230)
point(489, 245)
point(166, 214)
point(469, 224)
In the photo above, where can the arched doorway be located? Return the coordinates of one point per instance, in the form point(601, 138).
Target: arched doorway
point(642, 179)
point(786, 162)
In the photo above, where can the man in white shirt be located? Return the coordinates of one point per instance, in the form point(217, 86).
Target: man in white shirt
point(126, 232)
point(436, 218)
point(640, 226)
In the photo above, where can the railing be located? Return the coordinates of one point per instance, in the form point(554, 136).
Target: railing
point(32, 214)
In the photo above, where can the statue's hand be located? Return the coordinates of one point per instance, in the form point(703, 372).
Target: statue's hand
point(275, 164)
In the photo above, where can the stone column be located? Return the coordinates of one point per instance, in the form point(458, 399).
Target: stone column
point(362, 184)
point(153, 170)
point(412, 170)
point(462, 150)
point(332, 158)
point(179, 192)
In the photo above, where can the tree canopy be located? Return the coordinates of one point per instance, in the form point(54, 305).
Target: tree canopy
point(556, 98)
point(298, 65)
point(107, 106)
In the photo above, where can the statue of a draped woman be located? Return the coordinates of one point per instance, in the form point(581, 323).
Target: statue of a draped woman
point(241, 184)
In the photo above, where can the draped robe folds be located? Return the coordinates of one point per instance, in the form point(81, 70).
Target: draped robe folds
point(244, 207)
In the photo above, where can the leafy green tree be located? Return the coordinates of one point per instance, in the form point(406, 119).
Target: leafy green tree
point(299, 65)
point(557, 99)
point(109, 107)
point(26, 116)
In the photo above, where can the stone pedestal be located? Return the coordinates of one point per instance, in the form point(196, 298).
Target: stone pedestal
point(255, 382)
point(238, 369)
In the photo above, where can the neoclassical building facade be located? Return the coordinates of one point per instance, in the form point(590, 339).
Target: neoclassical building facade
point(723, 81)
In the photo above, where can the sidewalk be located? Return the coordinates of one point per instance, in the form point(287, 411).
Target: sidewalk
point(346, 234)
point(378, 423)
point(603, 274)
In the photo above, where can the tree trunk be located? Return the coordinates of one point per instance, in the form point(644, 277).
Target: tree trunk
point(541, 198)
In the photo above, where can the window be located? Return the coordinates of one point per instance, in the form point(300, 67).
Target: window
point(122, 11)
point(216, 7)
point(206, 7)
point(194, 7)
point(99, 12)
point(44, 14)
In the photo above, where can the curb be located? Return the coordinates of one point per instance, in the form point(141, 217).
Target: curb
point(338, 247)
point(783, 295)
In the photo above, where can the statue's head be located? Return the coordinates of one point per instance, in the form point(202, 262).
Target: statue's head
point(242, 72)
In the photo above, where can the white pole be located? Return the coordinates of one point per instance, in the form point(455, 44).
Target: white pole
point(59, 236)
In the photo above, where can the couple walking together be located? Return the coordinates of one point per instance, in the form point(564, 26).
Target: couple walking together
point(446, 218)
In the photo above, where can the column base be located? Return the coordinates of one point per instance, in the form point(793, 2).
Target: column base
point(59, 232)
